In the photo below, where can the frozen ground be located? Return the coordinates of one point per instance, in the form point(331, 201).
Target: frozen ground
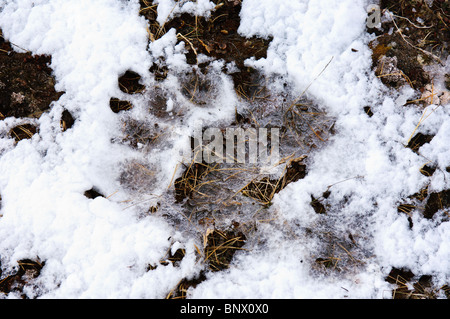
point(102, 247)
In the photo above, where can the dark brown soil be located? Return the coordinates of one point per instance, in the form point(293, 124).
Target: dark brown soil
point(317, 205)
point(216, 37)
point(400, 68)
point(264, 189)
point(93, 193)
point(368, 111)
point(23, 131)
point(188, 183)
point(26, 83)
point(180, 292)
point(221, 247)
point(419, 36)
point(129, 82)
point(118, 105)
point(432, 33)
point(422, 285)
point(418, 141)
point(436, 202)
point(428, 170)
point(28, 270)
point(428, 204)
point(67, 120)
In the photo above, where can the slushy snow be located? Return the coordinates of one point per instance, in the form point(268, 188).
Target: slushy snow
point(102, 247)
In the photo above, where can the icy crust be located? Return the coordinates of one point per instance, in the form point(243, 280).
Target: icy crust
point(104, 247)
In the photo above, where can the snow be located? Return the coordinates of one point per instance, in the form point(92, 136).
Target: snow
point(101, 248)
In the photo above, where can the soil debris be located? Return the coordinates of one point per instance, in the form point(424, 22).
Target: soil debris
point(428, 170)
point(436, 202)
point(418, 141)
point(174, 258)
point(368, 111)
point(180, 291)
point(409, 286)
point(129, 82)
point(28, 270)
point(317, 205)
point(416, 34)
point(27, 87)
point(190, 181)
point(215, 37)
point(93, 193)
point(118, 105)
point(425, 24)
point(23, 131)
point(221, 247)
point(264, 189)
point(67, 120)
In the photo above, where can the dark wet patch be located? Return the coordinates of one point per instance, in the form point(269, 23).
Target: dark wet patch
point(160, 71)
point(93, 193)
point(264, 189)
point(180, 291)
point(129, 82)
point(118, 105)
point(436, 202)
point(418, 141)
point(67, 120)
point(221, 247)
point(422, 286)
point(28, 270)
point(27, 87)
point(318, 206)
point(174, 258)
point(23, 131)
point(368, 111)
point(428, 170)
point(190, 180)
